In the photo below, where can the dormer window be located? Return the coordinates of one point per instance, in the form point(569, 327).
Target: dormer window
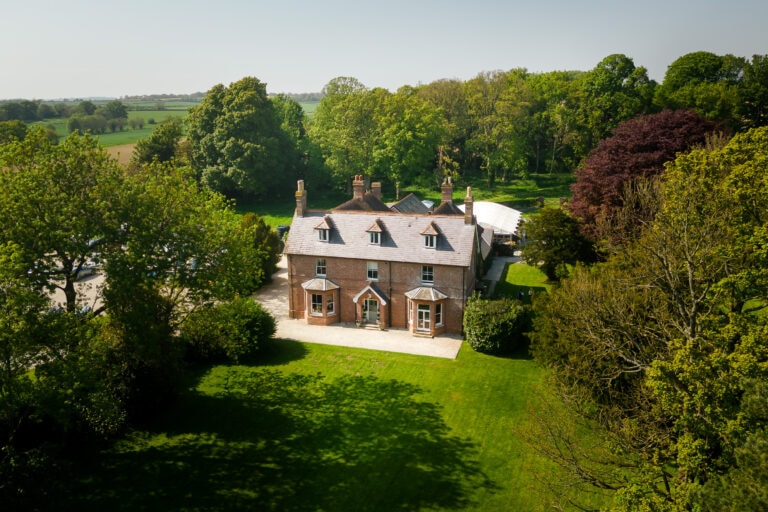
point(374, 233)
point(430, 236)
point(324, 229)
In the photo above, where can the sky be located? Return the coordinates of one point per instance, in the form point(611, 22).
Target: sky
point(52, 49)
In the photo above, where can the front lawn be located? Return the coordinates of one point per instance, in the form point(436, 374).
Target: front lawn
point(317, 427)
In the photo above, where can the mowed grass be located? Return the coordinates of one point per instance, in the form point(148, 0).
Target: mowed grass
point(317, 427)
point(520, 281)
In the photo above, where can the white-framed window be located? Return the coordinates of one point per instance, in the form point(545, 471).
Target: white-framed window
point(316, 306)
point(438, 315)
point(427, 274)
point(372, 268)
point(374, 238)
point(430, 241)
point(320, 267)
point(329, 308)
point(322, 234)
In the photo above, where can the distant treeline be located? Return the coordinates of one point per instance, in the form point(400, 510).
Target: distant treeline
point(305, 97)
point(195, 96)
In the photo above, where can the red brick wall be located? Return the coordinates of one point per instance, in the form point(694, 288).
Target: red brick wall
point(394, 280)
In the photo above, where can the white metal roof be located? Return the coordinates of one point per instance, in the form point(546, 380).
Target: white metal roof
point(503, 219)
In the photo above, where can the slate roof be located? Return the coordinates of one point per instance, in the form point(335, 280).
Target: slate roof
point(410, 204)
point(320, 284)
point(426, 293)
point(401, 237)
point(368, 203)
point(447, 208)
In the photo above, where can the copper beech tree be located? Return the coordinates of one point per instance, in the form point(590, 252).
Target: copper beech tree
point(638, 148)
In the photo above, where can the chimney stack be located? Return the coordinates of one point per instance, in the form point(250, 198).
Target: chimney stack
point(469, 207)
point(447, 191)
point(376, 189)
point(358, 187)
point(301, 199)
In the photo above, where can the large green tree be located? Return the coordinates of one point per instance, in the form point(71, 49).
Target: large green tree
point(554, 241)
point(498, 104)
point(162, 144)
point(58, 206)
point(614, 91)
point(237, 145)
point(706, 82)
point(411, 131)
point(164, 247)
point(753, 93)
point(346, 127)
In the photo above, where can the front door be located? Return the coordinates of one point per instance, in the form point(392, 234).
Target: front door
point(371, 311)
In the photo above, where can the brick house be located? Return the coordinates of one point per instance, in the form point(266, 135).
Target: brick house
point(371, 264)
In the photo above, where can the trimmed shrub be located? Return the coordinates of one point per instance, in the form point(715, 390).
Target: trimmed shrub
point(496, 326)
point(230, 331)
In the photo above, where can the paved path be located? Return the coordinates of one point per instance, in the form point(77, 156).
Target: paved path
point(274, 297)
point(496, 271)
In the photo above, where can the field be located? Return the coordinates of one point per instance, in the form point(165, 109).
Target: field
point(127, 136)
point(152, 113)
point(316, 427)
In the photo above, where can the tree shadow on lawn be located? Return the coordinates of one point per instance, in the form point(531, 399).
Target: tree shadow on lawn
point(276, 352)
point(289, 442)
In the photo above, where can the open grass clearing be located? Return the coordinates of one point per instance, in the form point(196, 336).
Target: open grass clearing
point(519, 281)
point(318, 427)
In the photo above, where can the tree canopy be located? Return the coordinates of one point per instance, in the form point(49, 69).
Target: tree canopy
point(638, 148)
point(664, 346)
point(554, 241)
point(237, 145)
point(106, 354)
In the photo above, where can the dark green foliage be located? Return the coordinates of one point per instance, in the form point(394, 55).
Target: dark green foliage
point(230, 331)
point(706, 82)
point(161, 145)
point(664, 344)
point(496, 326)
point(554, 241)
point(266, 242)
point(12, 130)
point(238, 145)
